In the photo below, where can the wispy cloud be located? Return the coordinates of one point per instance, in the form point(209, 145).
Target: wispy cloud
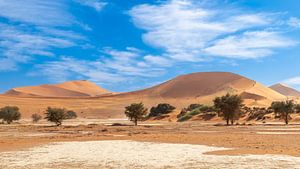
point(34, 28)
point(189, 31)
point(249, 45)
point(95, 4)
point(294, 22)
point(112, 66)
point(37, 12)
point(292, 81)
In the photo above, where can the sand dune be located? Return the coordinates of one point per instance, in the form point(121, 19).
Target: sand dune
point(285, 90)
point(201, 86)
point(180, 92)
point(68, 89)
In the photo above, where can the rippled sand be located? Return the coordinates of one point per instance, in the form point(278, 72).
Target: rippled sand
point(132, 154)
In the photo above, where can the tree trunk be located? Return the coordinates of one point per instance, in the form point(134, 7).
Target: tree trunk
point(232, 121)
point(286, 118)
point(227, 121)
point(135, 122)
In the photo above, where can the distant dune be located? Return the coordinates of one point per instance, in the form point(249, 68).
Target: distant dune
point(181, 91)
point(68, 89)
point(285, 90)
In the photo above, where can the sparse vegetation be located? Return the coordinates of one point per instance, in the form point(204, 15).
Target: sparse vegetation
point(229, 107)
point(136, 112)
point(55, 115)
point(193, 110)
point(10, 114)
point(297, 108)
point(284, 109)
point(36, 118)
point(70, 114)
point(161, 109)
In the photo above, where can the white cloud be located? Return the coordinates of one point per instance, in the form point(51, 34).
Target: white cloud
point(249, 45)
point(186, 30)
point(36, 12)
point(294, 22)
point(158, 60)
point(292, 81)
point(19, 46)
point(34, 28)
point(96, 4)
point(115, 66)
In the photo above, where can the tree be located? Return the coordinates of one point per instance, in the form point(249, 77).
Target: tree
point(36, 118)
point(70, 114)
point(284, 109)
point(55, 115)
point(135, 112)
point(162, 108)
point(10, 114)
point(229, 106)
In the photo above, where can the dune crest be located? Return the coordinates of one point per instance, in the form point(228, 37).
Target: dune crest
point(81, 88)
point(285, 90)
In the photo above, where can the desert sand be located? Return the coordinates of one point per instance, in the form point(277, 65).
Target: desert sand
point(149, 145)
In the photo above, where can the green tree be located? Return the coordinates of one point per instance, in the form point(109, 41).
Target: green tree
point(36, 118)
point(162, 108)
point(229, 106)
point(284, 109)
point(55, 115)
point(10, 114)
point(135, 112)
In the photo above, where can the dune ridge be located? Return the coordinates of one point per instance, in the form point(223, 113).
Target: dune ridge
point(285, 90)
point(80, 88)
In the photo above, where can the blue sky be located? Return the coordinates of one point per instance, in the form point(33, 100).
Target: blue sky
point(128, 45)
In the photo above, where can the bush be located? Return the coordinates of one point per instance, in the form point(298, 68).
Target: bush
point(160, 109)
point(184, 118)
point(193, 106)
point(55, 115)
point(10, 114)
point(36, 118)
point(71, 114)
point(193, 110)
point(297, 108)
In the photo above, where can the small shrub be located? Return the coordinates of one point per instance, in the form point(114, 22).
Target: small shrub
point(193, 106)
point(160, 109)
point(36, 118)
point(10, 114)
point(71, 114)
point(297, 108)
point(184, 118)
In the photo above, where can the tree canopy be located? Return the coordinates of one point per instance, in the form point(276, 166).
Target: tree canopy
point(229, 106)
point(135, 112)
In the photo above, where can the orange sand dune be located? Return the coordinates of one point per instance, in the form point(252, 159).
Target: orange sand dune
point(68, 89)
point(285, 90)
point(180, 92)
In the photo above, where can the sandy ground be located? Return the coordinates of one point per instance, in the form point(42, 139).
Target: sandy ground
point(131, 154)
point(185, 145)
